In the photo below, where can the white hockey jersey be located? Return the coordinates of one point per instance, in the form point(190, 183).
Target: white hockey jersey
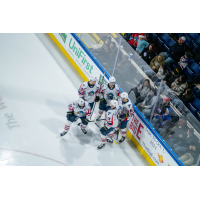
point(80, 112)
point(109, 94)
point(126, 108)
point(112, 116)
point(88, 92)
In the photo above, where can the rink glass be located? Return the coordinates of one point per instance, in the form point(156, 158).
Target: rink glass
point(130, 76)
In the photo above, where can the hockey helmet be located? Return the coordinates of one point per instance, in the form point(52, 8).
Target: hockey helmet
point(93, 78)
point(114, 103)
point(80, 101)
point(124, 95)
point(112, 79)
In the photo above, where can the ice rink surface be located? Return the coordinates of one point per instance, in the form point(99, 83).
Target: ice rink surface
point(37, 83)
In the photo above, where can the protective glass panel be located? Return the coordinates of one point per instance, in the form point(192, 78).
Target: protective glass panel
point(162, 108)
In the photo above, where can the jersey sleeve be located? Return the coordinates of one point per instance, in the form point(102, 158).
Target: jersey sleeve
point(88, 111)
point(98, 88)
point(130, 110)
point(117, 90)
point(71, 107)
point(81, 90)
point(102, 90)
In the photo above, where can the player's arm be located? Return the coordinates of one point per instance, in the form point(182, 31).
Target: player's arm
point(97, 93)
point(118, 92)
point(81, 91)
point(70, 112)
point(102, 91)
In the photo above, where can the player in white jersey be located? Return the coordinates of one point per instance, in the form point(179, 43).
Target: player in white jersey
point(127, 112)
point(112, 121)
point(89, 89)
point(78, 109)
point(108, 92)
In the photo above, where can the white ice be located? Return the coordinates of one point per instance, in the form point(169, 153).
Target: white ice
point(37, 83)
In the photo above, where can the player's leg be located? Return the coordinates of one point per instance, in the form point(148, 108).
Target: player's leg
point(91, 105)
point(111, 135)
point(84, 124)
point(124, 130)
point(68, 124)
point(103, 131)
point(102, 108)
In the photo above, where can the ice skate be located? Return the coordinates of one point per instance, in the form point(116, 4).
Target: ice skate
point(101, 146)
point(122, 139)
point(84, 131)
point(109, 141)
point(63, 133)
point(98, 117)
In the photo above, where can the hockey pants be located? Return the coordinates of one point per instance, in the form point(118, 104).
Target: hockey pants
point(106, 131)
point(83, 124)
point(122, 127)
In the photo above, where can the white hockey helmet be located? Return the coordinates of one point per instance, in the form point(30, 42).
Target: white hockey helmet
point(81, 101)
point(114, 103)
point(93, 78)
point(112, 79)
point(124, 95)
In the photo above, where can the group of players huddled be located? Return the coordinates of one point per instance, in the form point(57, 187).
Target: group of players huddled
point(117, 106)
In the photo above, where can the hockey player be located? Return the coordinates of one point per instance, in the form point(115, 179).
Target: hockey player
point(108, 92)
point(111, 116)
point(78, 109)
point(89, 89)
point(127, 112)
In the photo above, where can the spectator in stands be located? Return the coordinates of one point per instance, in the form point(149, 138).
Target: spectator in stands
point(102, 51)
point(127, 36)
point(175, 52)
point(186, 98)
point(162, 72)
point(141, 91)
point(162, 119)
point(171, 77)
point(112, 49)
point(146, 106)
point(134, 40)
point(141, 44)
point(123, 63)
point(179, 85)
point(148, 53)
point(184, 62)
point(156, 62)
point(160, 108)
point(191, 156)
point(184, 142)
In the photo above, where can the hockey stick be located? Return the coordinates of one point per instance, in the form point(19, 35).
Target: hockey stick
point(99, 94)
point(112, 139)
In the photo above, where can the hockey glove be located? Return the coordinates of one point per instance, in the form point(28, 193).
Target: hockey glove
point(103, 101)
point(103, 130)
point(71, 117)
point(69, 114)
point(97, 99)
point(123, 116)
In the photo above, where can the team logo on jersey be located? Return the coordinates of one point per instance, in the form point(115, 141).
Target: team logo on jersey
point(109, 113)
point(91, 93)
point(80, 112)
point(110, 96)
point(129, 105)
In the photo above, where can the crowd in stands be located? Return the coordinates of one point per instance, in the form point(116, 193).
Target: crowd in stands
point(168, 66)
